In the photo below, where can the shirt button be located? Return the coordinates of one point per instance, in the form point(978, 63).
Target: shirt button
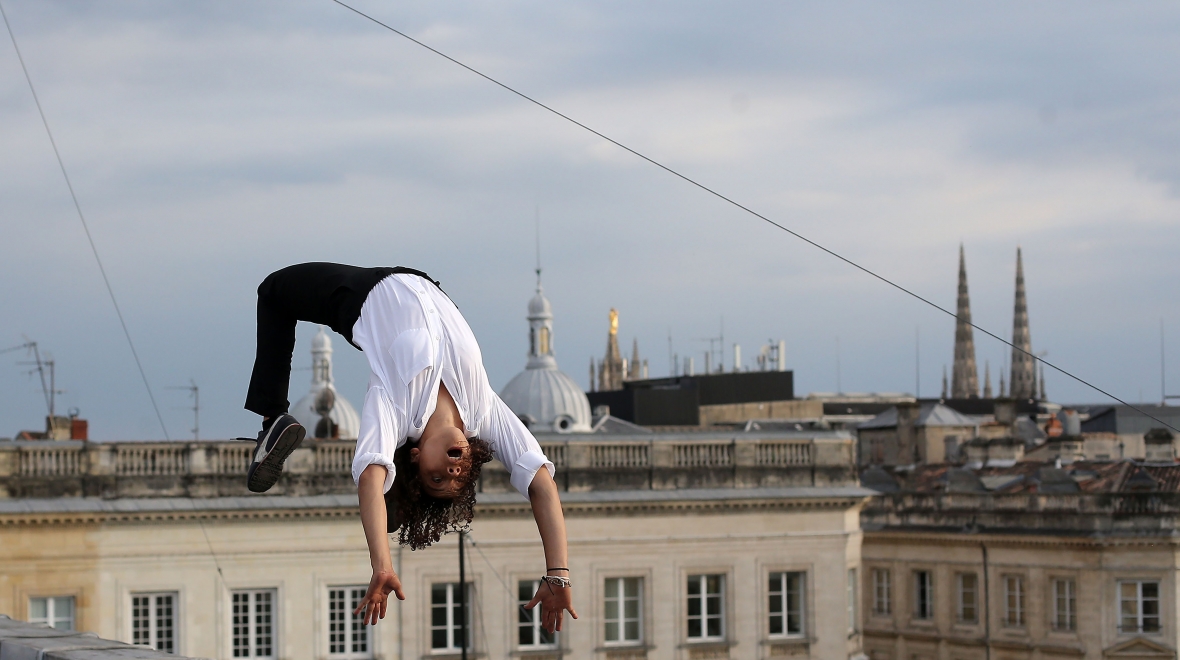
point(436, 337)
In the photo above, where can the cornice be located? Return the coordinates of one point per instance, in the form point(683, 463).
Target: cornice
point(496, 510)
point(1058, 540)
point(103, 518)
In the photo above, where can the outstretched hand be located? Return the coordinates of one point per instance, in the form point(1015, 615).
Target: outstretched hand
point(555, 601)
point(376, 599)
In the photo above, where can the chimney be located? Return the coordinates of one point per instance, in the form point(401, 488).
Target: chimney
point(907, 437)
point(1071, 423)
point(1005, 411)
point(79, 429)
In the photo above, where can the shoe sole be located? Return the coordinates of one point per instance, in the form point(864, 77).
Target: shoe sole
point(270, 468)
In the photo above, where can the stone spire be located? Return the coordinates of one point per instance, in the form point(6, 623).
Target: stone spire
point(1023, 379)
point(964, 377)
point(633, 371)
point(610, 370)
point(944, 381)
point(987, 380)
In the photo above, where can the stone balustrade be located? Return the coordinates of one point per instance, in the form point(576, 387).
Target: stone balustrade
point(1024, 512)
point(584, 463)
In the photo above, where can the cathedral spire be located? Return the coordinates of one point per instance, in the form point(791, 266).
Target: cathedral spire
point(611, 370)
point(964, 377)
point(987, 380)
point(1023, 379)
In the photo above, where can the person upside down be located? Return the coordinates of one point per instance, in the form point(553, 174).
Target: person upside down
point(430, 419)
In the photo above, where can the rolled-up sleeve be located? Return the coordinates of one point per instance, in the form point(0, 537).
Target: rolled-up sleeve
point(379, 436)
point(514, 446)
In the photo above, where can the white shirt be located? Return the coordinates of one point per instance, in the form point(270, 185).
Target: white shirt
point(414, 338)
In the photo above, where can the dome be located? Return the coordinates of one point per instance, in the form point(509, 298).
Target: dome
point(343, 415)
point(321, 341)
point(542, 396)
point(548, 399)
point(323, 395)
point(539, 306)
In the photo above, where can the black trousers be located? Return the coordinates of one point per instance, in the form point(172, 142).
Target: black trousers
point(326, 293)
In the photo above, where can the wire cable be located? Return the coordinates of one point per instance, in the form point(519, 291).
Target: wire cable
point(85, 226)
point(499, 579)
point(745, 208)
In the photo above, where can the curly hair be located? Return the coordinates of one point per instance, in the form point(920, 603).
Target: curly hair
point(421, 519)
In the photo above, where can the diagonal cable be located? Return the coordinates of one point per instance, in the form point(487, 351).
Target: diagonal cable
point(496, 573)
point(747, 209)
point(85, 227)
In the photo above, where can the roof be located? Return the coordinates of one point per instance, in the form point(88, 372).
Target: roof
point(1124, 419)
point(930, 414)
point(1048, 477)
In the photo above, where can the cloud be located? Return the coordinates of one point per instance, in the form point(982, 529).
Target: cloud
point(213, 143)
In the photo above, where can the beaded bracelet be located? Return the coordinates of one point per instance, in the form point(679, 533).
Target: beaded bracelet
point(557, 581)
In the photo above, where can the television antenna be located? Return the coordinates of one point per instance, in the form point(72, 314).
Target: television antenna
point(48, 388)
point(195, 393)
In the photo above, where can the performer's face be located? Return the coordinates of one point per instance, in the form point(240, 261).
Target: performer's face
point(442, 462)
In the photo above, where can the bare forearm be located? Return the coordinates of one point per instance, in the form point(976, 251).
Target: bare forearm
point(370, 489)
point(550, 521)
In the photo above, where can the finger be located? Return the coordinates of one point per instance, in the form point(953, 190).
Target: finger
point(384, 607)
point(571, 611)
point(359, 609)
point(533, 603)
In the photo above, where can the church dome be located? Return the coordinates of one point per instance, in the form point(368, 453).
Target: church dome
point(542, 396)
point(346, 423)
point(548, 400)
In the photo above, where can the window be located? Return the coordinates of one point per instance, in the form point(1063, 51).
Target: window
point(850, 588)
point(348, 636)
point(153, 620)
point(253, 623)
point(54, 611)
point(882, 585)
point(1014, 601)
point(446, 629)
point(923, 595)
point(621, 608)
point(1139, 606)
point(786, 604)
point(531, 634)
point(1064, 602)
point(968, 587)
point(706, 611)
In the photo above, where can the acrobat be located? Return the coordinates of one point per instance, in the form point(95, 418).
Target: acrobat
point(430, 418)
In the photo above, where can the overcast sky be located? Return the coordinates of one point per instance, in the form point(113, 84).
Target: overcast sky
point(212, 143)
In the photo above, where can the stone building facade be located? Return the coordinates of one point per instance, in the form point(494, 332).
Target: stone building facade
point(691, 546)
point(1027, 561)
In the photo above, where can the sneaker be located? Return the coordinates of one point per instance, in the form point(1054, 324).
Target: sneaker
point(276, 441)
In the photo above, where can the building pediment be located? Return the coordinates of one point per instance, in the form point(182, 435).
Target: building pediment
point(1139, 647)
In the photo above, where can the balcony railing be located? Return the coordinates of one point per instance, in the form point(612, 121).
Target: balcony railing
point(210, 468)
